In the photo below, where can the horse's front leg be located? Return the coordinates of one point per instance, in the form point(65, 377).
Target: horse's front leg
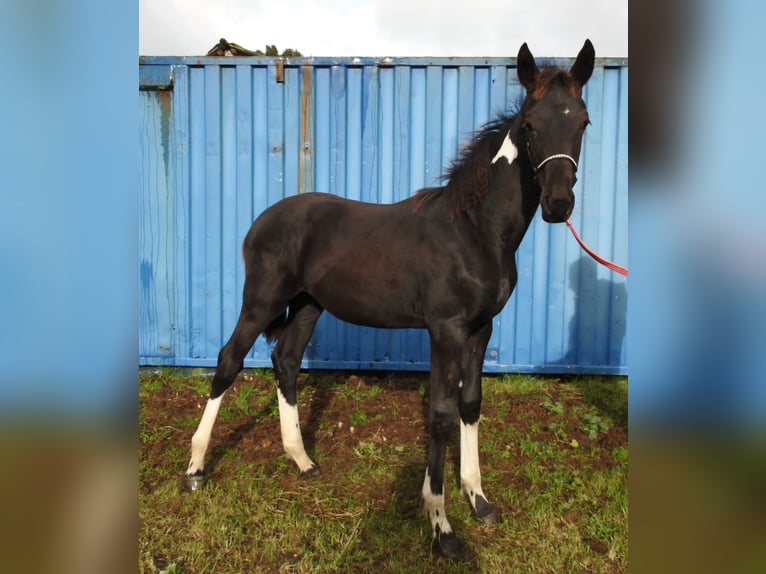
point(446, 347)
point(469, 406)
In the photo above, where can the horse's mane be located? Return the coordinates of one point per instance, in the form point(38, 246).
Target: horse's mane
point(467, 178)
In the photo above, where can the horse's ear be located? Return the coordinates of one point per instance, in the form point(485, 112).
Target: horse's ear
point(583, 66)
point(526, 68)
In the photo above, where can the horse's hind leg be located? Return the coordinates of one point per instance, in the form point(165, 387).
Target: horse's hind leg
point(230, 360)
point(287, 355)
point(469, 406)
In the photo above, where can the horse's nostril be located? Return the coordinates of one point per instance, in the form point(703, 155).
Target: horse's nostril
point(557, 208)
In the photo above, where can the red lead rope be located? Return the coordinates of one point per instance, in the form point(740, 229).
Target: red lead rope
point(612, 266)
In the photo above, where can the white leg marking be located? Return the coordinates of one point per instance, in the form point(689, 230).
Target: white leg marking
point(470, 475)
point(292, 441)
point(201, 437)
point(507, 150)
point(434, 507)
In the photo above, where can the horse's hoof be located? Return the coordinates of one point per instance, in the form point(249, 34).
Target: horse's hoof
point(194, 481)
point(309, 472)
point(449, 546)
point(484, 511)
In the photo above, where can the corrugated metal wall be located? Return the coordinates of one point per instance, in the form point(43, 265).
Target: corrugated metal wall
point(223, 138)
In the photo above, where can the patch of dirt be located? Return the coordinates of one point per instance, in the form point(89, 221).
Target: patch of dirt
point(596, 545)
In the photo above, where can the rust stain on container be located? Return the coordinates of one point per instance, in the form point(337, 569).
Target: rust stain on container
point(305, 168)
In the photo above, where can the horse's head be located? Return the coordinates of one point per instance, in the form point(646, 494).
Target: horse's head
point(553, 120)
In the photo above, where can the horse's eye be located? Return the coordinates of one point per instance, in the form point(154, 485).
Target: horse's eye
point(527, 127)
point(586, 124)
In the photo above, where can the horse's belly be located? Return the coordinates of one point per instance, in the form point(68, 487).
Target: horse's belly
point(367, 318)
point(379, 314)
point(373, 299)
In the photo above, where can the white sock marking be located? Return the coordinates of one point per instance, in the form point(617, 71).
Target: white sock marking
point(470, 475)
point(434, 507)
point(292, 441)
point(201, 437)
point(507, 150)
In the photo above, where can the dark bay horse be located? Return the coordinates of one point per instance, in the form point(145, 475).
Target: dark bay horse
point(443, 260)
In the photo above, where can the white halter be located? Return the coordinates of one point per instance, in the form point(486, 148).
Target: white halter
point(556, 156)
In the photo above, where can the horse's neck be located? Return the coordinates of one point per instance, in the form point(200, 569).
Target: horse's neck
point(507, 211)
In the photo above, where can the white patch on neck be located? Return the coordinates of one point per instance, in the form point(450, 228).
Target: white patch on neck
point(507, 150)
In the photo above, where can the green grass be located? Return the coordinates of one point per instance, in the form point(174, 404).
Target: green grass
point(554, 459)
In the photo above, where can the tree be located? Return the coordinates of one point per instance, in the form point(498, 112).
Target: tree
point(271, 50)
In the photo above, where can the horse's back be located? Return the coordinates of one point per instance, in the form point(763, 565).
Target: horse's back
point(358, 260)
point(310, 217)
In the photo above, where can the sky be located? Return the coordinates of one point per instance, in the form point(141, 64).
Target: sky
point(379, 28)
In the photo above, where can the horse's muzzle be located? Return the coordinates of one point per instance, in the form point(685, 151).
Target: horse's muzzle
point(557, 205)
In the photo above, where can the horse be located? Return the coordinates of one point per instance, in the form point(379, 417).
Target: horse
point(442, 259)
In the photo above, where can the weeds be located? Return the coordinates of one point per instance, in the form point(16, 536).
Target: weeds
point(357, 418)
point(556, 408)
point(593, 425)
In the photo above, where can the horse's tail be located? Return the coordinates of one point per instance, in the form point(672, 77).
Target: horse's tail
point(275, 328)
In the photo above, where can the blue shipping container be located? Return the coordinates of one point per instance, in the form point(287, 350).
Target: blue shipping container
point(223, 138)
